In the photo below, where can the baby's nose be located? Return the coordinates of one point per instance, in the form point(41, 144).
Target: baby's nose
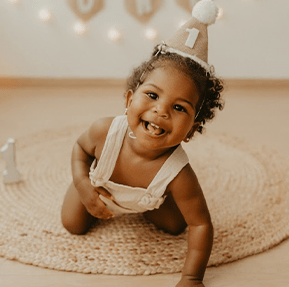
point(162, 110)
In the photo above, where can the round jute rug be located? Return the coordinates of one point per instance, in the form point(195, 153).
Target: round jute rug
point(246, 190)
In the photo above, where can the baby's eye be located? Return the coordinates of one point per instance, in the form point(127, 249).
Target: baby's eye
point(179, 108)
point(152, 96)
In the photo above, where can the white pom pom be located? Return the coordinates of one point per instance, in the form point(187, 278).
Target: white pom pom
point(205, 11)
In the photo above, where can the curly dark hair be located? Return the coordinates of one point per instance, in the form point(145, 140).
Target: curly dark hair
point(209, 86)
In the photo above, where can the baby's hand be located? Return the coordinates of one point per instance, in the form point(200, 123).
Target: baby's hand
point(90, 199)
point(99, 209)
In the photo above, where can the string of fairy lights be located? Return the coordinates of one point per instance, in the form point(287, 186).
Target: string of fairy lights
point(80, 27)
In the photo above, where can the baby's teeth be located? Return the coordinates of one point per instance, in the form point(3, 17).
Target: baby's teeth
point(154, 125)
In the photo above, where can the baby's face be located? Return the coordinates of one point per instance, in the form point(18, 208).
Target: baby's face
point(161, 112)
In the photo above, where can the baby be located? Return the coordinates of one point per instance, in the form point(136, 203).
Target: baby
point(134, 163)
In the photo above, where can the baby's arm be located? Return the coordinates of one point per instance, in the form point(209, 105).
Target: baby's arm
point(83, 154)
point(189, 197)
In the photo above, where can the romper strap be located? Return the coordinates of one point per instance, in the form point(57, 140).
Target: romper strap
point(170, 169)
point(105, 166)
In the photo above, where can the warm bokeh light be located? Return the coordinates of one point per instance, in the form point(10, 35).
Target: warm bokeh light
point(114, 34)
point(79, 28)
point(44, 14)
point(151, 33)
point(220, 14)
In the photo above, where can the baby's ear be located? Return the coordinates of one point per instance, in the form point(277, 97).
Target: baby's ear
point(128, 98)
point(192, 131)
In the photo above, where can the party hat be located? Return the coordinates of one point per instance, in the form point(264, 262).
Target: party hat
point(191, 40)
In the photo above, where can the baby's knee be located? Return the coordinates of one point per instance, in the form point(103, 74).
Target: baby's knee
point(74, 229)
point(72, 226)
point(74, 216)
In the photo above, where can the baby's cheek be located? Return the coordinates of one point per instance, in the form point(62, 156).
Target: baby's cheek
point(139, 106)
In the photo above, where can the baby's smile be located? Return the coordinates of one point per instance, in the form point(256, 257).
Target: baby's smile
point(153, 128)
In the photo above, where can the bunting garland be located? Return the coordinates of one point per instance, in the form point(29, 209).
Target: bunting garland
point(187, 4)
point(85, 9)
point(142, 10)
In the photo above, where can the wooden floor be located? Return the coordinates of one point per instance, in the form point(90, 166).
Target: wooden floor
point(259, 115)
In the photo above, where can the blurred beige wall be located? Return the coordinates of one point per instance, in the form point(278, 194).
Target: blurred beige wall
point(250, 41)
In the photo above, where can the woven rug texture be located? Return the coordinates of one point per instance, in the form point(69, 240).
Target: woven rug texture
point(246, 190)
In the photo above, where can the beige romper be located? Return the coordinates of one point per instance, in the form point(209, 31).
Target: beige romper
point(132, 199)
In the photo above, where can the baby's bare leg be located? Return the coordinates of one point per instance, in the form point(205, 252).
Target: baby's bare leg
point(74, 215)
point(168, 217)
